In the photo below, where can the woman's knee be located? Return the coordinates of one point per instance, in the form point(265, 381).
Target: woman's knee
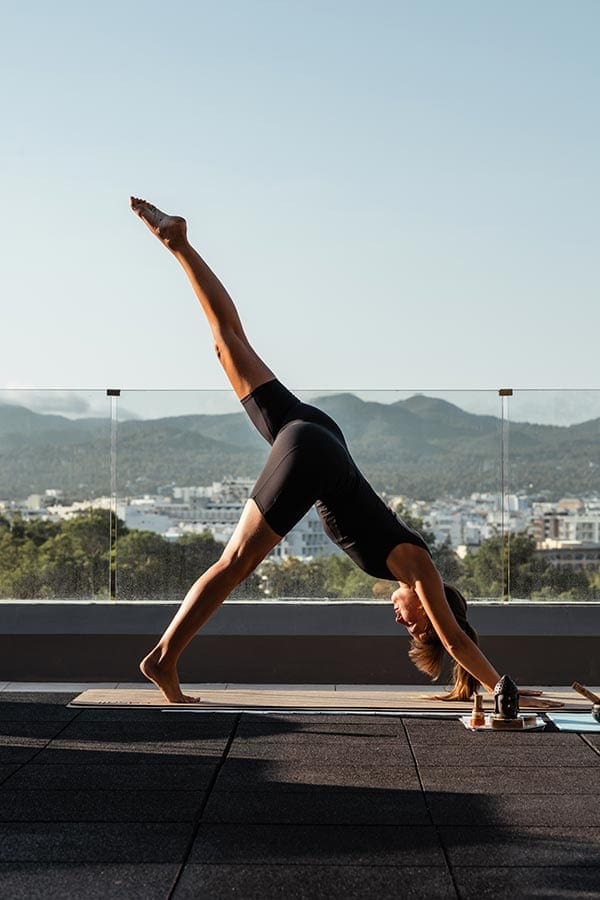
point(236, 566)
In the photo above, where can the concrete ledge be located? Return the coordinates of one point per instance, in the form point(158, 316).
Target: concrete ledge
point(287, 642)
point(292, 618)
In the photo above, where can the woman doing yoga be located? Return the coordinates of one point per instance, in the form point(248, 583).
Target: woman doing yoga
point(309, 463)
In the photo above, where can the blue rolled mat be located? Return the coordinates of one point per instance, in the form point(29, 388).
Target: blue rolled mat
point(574, 721)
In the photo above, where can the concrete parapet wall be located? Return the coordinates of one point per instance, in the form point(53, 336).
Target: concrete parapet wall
point(287, 642)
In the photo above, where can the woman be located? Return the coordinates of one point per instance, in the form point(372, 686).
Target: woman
point(309, 463)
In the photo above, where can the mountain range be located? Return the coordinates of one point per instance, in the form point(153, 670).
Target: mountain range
point(421, 447)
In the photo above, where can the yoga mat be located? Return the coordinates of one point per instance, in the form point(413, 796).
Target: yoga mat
point(282, 700)
point(271, 700)
point(574, 721)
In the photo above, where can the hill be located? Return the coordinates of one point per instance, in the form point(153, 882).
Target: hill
point(422, 447)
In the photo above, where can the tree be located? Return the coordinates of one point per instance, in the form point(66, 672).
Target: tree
point(486, 573)
point(19, 568)
point(447, 562)
point(333, 577)
point(76, 562)
point(293, 577)
point(143, 570)
point(152, 567)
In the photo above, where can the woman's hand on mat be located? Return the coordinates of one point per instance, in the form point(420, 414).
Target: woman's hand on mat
point(534, 703)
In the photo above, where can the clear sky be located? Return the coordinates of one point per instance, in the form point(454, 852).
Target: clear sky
point(399, 196)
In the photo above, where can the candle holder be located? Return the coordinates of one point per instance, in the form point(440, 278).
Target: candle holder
point(506, 703)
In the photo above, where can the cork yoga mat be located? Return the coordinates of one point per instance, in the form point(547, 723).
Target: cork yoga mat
point(282, 700)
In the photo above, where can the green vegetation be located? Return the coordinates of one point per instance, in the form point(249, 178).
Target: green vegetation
point(479, 576)
point(487, 573)
point(335, 577)
point(75, 558)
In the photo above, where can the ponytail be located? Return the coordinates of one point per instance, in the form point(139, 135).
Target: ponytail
point(428, 654)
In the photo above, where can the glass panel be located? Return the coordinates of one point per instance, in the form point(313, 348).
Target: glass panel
point(54, 495)
point(436, 458)
point(505, 490)
point(554, 495)
point(187, 461)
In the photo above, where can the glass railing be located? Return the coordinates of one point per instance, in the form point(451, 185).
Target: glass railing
point(552, 495)
point(131, 495)
point(56, 529)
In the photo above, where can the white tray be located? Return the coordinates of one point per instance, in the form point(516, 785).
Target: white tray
point(539, 725)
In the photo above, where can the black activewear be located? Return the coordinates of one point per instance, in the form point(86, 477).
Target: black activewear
point(309, 463)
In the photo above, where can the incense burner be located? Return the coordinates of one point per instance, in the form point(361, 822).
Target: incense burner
point(506, 699)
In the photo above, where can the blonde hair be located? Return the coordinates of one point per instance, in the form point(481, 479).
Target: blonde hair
point(427, 653)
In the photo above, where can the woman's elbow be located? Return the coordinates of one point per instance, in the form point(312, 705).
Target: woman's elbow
point(455, 644)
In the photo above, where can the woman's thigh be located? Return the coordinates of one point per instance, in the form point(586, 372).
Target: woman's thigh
point(252, 539)
point(304, 465)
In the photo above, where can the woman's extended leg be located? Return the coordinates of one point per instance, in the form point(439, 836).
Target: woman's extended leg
point(253, 537)
point(244, 368)
point(247, 547)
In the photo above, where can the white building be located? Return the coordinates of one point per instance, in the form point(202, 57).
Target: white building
point(306, 540)
point(143, 518)
point(217, 509)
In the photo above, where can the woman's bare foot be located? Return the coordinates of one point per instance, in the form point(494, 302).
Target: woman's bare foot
point(170, 230)
point(165, 678)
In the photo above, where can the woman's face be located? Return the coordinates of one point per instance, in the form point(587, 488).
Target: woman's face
point(410, 613)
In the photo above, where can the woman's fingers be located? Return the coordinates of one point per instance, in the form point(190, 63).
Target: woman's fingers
point(523, 692)
point(533, 703)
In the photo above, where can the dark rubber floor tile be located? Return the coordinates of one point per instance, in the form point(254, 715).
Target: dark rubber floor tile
point(7, 771)
point(594, 740)
point(505, 757)
point(19, 755)
point(110, 777)
point(374, 727)
point(307, 718)
point(22, 745)
point(36, 707)
point(150, 714)
point(165, 730)
point(41, 731)
point(281, 776)
point(82, 842)
point(314, 882)
point(104, 752)
point(322, 806)
point(539, 810)
point(119, 714)
point(490, 780)
point(317, 845)
point(43, 698)
point(92, 881)
point(427, 732)
point(331, 750)
point(99, 806)
point(526, 883)
point(515, 846)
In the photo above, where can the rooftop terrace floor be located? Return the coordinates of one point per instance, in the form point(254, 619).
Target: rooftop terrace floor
point(136, 803)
